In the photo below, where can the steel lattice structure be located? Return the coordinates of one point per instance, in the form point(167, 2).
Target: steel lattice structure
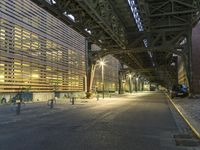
point(146, 44)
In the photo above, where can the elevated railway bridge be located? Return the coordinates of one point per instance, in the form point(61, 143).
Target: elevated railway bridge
point(145, 35)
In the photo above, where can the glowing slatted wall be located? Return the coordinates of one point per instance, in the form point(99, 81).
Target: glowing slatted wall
point(38, 52)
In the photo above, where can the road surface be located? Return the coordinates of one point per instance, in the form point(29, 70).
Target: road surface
point(141, 121)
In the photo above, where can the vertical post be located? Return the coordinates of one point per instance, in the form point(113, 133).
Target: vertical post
point(102, 79)
point(90, 77)
point(150, 87)
point(190, 61)
point(18, 109)
point(90, 69)
point(130, 83)
point(121, 79)
point(136, 84)
point(97, 97)
point(143, 85)
point(73, 100)
point(51, 103)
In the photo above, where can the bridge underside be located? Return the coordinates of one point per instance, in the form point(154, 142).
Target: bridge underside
point(145, 35)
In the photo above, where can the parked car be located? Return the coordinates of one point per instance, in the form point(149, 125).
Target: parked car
point(179, 90)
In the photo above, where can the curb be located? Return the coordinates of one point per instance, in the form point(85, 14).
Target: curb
point(185, 118)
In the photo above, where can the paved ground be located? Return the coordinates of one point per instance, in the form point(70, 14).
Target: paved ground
point(141, 121)
point(191, 110)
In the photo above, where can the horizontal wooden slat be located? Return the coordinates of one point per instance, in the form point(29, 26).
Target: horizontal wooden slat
point(38, 52)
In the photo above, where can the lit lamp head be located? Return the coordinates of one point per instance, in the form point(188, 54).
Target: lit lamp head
point(102, 63)
point(129, 75)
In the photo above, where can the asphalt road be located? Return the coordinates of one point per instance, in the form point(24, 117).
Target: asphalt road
point(140, 121)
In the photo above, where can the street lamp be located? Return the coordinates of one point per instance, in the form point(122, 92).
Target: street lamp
point(102, 64)
point(130, 76)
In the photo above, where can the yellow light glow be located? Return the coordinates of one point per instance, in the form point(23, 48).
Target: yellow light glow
point(35, 75)
point(1, 76)
point(102, 63)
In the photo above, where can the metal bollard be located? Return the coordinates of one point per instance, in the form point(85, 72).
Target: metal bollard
point(73, 99)
point(97, 97)
point(51, 103)
point(18, 108)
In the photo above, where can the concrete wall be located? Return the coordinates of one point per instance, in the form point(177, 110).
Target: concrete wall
point(47, 96)
point(42, 96)
point(7, 96)
point(196, 59)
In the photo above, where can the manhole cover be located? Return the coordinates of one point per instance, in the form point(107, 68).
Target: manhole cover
point(186, 140)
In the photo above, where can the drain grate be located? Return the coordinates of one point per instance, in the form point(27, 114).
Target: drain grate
point(186, 140)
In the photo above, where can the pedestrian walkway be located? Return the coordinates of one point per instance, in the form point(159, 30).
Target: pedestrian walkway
point(41, 109)
point(190, 108)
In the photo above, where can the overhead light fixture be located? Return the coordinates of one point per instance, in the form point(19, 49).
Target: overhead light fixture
point(70, 16)
point(136, 15)
point(88, 31)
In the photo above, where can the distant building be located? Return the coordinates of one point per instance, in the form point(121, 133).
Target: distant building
point(111, 70)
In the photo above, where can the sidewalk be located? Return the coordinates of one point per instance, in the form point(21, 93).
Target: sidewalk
point(190, 108)
point(32, 110)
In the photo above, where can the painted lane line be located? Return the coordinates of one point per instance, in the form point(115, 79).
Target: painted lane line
point(185, 118)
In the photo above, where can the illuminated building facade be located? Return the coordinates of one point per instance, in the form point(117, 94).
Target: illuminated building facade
point(42, 55)
point(38, 53)
point(111, 70)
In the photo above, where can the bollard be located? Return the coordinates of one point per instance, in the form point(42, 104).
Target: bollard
point(18, 108)
point(97, 97)
point(51, 103)
point(110, 95)
point(73, 99)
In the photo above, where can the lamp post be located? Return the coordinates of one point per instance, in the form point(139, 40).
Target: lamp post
point(130, 89)
point(102, 63)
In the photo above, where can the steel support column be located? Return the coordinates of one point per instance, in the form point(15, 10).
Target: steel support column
point(121, 81)
point(130, 85)
point(136, 84)
point(142, 85)
point(90, 69)
point(188, 61)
